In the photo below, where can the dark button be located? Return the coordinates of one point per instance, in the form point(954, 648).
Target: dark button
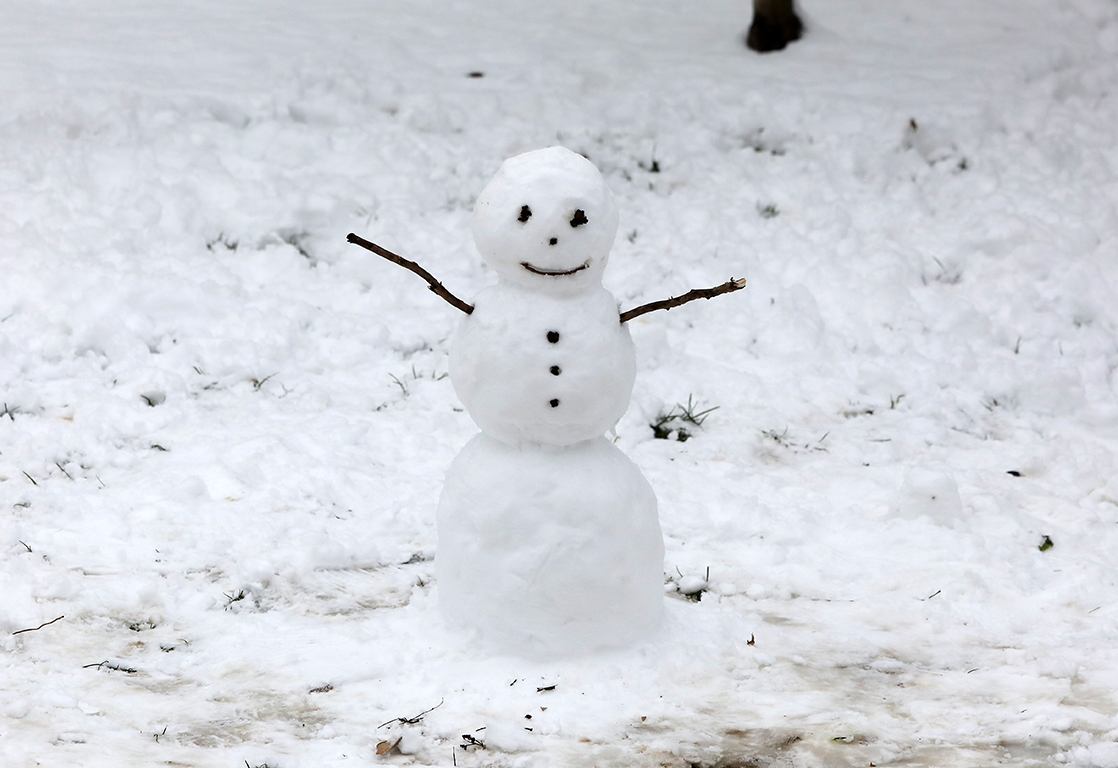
point(555, 370)
point(553, 241)
point(554, 403)
point(553, 336)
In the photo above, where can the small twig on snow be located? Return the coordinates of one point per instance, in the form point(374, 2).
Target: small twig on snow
point(729, 286)
point(471, 741)
point(412, 720)
point(114, 667)
point(436, 287)
point(46, 624)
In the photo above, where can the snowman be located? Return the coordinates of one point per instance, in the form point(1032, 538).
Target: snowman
point(549, 540)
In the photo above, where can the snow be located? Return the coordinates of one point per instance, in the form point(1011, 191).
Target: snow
point(546, 215)
point(226, 429)
point(519, 385)
point(547, 552)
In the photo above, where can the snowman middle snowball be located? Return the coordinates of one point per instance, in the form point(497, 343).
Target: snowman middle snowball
point(544, 358)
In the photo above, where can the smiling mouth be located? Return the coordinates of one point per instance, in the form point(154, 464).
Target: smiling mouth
point(555, 272)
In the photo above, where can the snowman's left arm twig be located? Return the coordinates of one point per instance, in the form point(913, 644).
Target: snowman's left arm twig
point(729, 286)
point(435, 286)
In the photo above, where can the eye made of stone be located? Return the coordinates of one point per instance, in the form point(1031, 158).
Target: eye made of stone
point(579, 218)
point(525, 214)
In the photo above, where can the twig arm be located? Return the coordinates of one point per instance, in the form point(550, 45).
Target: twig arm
point(729, 286)
point(436, 287)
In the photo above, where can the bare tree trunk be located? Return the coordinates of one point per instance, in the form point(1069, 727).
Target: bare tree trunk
point(775, 24)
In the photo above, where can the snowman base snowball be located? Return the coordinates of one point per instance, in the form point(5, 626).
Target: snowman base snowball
point(549, 551)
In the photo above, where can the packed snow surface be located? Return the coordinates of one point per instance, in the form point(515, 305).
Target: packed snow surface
point(225, 429)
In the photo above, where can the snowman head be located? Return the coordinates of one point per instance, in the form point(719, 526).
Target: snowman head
point(546, 221)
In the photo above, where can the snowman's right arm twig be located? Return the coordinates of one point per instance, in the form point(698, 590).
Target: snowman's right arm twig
point(435, 286)
point(729, 286)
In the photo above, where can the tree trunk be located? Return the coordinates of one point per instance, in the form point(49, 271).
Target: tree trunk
point(775, 24)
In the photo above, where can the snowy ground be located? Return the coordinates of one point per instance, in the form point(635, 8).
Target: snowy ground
point(224, 429)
